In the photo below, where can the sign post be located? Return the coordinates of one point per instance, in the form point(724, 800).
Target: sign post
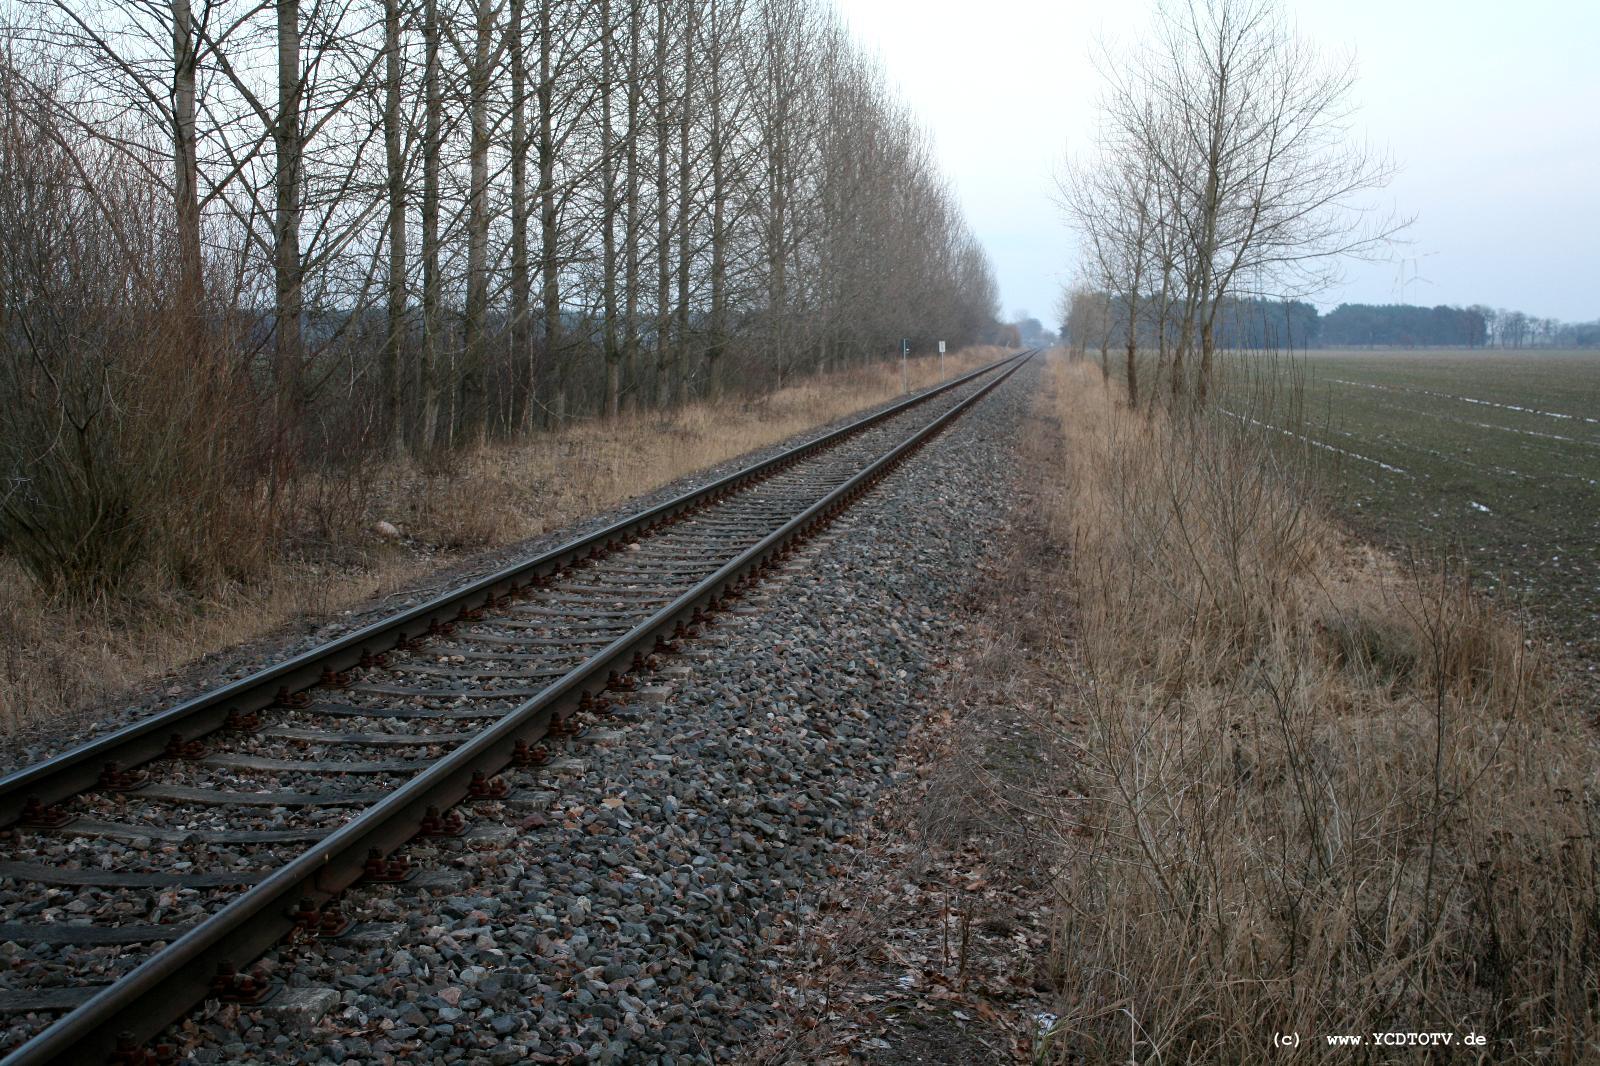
point(905, 350)
point(941, 360)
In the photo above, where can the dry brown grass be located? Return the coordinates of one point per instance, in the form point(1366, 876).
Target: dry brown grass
point(503, 493)
point(1323, 794)
point(58, 656)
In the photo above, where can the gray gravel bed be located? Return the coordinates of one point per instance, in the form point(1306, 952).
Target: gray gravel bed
point(625, 915)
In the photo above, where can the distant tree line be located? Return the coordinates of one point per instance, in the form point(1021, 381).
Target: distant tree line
point(1289, 324)
point(1402, 325)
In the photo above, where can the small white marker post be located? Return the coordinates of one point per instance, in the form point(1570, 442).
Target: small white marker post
point(941, 360)
point(905, 350)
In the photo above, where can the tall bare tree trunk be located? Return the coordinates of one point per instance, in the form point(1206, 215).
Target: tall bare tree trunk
point(679, 377)
point(186, 166)
point(394, 160)
point(289, 349)
point(476, 325)
point(777, 179)
point(1163, 311)
point(523, 365)
point(718, 326)
point(549, 249)
point(1141, 236)
point(663, 218)
point(1210, 215)
point(432, 281)
point(1105, 340)
point(608, 217)
point(1208, 342)
point(632, 230)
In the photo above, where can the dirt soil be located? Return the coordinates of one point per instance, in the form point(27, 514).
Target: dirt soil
point(936, 945)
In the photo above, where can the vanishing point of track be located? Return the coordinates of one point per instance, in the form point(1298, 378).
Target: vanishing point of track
point(364, 743)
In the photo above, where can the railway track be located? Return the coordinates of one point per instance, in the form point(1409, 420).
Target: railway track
point(143, 871)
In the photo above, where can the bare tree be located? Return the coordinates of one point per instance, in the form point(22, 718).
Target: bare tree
point(432, 269)
point(481, 57)
point(1256, 189)
point(395, 165)
point(608, 213)
point(525, 390)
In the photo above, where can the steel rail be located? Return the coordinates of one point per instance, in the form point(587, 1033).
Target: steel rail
point(168, 983)
point(78, 769)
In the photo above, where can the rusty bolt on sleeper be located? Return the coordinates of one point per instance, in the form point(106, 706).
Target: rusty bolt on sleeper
point(525, 756)
point(449, 824)
point(187, 750)
point(129, 1052)
point(326, 923)
point(482, 787)
point(242, 721)
point(113, 778)
point(335, 922)
point(35, 815)
point(235, 986)
point(387, 871)
point(285, 698)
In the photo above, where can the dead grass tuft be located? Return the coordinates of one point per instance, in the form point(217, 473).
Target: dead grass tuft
point(1323, 793)
point(505, 492)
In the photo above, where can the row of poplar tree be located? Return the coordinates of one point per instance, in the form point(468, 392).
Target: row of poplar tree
point(426, 222)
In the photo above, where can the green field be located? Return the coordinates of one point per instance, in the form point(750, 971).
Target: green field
point(1495, 455)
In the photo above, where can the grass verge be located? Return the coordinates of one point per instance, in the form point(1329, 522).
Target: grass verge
point(1323, 794)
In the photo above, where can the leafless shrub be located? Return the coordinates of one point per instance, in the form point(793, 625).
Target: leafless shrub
point(130, 446)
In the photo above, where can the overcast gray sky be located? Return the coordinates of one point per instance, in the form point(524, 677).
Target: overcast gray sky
point(1491, 109)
